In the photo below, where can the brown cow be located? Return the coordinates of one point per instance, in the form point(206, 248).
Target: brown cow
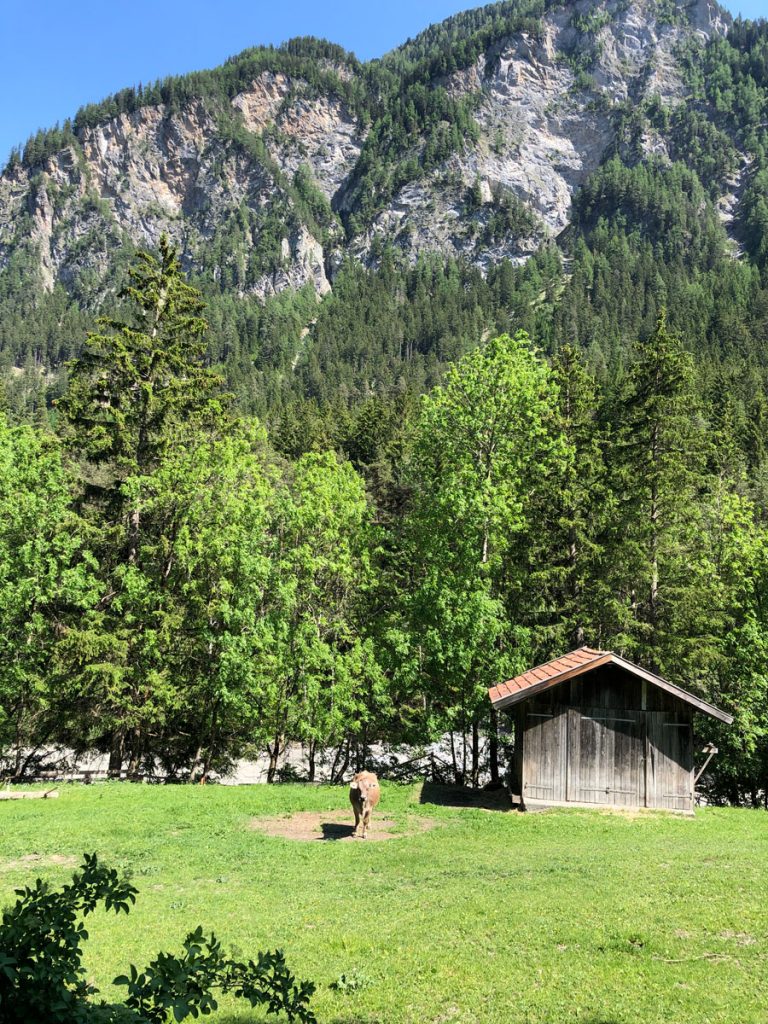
point(364, 794)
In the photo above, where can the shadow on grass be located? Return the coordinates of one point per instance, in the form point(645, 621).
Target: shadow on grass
point(333, 830)
point(460, 796)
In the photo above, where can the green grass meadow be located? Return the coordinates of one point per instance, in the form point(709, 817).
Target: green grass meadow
point(564, 916)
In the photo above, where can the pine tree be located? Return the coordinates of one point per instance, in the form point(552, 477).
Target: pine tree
point(139, 377)
point(575, 510)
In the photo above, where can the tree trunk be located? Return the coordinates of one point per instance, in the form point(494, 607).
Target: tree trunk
point(653, 595)
point(210, 746)
point(475, 755)
point(493, 746)
point(19, 751)
point(336, 759)
point(206, 767)
point(274, 756)
point(195, 764)
point(134, 761)
point(311, 757)
point(116, 755)
point(453, 758)
point(337, 776)
point(575, 589)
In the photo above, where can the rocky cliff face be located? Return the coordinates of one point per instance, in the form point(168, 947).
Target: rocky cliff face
point(233, 184)
point(545, 127)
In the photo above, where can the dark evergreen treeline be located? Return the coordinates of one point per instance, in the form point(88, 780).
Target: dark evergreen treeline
point(179, 587)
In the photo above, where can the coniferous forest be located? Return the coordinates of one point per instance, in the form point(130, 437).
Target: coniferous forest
point(231, 523)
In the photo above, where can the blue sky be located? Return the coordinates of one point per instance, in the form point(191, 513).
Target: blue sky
point(56, 55)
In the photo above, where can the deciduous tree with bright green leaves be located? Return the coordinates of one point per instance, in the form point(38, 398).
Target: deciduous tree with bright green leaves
point(485, 442)
point(47, 576)
point(325, 682)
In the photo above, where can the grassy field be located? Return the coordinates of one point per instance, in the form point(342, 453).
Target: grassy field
point(486, 916)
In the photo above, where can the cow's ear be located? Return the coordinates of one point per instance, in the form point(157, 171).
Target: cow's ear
point(353, 785)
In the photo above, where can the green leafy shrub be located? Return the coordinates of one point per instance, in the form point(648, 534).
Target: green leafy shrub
point(42, 979)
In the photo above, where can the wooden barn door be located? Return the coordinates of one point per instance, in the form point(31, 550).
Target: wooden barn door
point(669, 764)
point(605, 762)
point(544, 753)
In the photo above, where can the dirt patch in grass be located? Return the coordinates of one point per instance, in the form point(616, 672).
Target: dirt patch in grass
point(39, 860)
point(740, 938)
point(336, 826)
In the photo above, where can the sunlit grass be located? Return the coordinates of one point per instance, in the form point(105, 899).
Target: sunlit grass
point(488, 917)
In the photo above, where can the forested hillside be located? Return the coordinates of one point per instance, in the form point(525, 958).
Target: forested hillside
point(464, 365)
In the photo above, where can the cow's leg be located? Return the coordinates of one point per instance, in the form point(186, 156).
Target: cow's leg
point(366, 820)
point(356, 809)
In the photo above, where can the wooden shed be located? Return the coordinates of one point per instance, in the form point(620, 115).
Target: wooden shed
point(593, 729)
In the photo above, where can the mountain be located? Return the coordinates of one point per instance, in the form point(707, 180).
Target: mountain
point(480, 144)
point(271, 168)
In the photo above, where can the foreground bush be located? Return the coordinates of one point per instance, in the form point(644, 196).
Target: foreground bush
point(42, 980)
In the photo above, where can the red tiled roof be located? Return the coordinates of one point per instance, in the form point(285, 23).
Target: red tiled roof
point(566, 666)
point(577, 663)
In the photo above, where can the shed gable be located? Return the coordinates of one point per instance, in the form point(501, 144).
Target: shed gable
point(577, 665)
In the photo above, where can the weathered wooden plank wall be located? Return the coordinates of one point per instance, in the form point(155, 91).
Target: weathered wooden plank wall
point(607, 739)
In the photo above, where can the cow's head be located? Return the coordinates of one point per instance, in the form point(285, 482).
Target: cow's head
point(365, 787)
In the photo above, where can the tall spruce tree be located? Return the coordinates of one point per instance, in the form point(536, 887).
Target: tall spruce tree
point(139, 388)
point(567, 546)
point(661, 577)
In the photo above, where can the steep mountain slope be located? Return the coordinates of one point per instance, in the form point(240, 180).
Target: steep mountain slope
point(246, 165)
point(419, 196)
point(546, 105)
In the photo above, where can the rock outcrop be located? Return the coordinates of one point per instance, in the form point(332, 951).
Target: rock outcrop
point(544, 103)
